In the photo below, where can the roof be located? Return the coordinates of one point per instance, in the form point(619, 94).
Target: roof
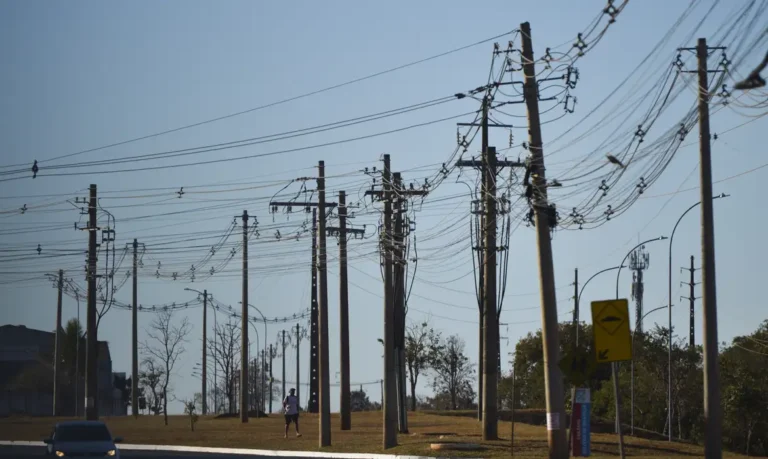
point(20, 336)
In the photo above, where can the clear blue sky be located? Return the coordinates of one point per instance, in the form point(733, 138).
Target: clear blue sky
point(78, 75)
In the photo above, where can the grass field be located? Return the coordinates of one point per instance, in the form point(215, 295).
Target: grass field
point(267, 433)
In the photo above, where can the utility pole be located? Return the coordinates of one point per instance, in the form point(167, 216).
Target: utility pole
point(271, 356)
point(692, 303)
point(244, 325)
point(284, 359)
point(313, 331)
point(389, 406)
point(394, 303)
point(576, 305)
point(298, 358)
point(712, 409)
point(344, 390)
point(205, 352)
point(91, 349)
point(135, 337)
point(398, 265)
point(325, 381)
point(57, 346)
point(545, 217)
point(489, 349)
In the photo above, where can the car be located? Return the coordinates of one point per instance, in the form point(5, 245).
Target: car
point(82, 439)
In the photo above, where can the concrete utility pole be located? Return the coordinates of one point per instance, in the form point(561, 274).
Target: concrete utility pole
point(135, 337)
point(244, 325)
point(712, 410)
point(544, 217)
point(205, 352)
point(489, 340)
point(91, 349)
point(57, 346)
point(298, 358)
point(314, 355)
point(490, 357)
point(692, 303)
point(344, 390)
point(576, 305)
point(398, 290)
point(271, 357)
point(284, 359)
point(325, 382)
point(390, 375)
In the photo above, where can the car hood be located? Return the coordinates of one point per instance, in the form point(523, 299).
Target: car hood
point(76, 447)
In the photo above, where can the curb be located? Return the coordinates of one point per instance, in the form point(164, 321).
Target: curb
point(238, 451)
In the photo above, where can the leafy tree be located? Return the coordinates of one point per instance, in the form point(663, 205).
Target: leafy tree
point(359, 401)
point(151, 378)
point(422, 344)
point(453, 372)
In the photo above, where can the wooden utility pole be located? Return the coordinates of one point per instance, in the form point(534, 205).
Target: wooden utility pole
point(205, 352)
point(57, 346)
point(344, 391)
point(91, 349)
point(712, 409)
point(544, 216)
point(324, 398)
point(135, 337)
point(244, 328)
point(576, 306)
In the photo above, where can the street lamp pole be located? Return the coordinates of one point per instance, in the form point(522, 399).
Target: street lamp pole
point(614, 365)
point(632, 378)
point(578, 298)
point(253, 325)
point(669, 314)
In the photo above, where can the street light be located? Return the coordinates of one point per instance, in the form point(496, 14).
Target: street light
point(632, 364)
point(204, 379)
point(264, 318)
point(669, 304)
point(614, 366)
point(578, 298)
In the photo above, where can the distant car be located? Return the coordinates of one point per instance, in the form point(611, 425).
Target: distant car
point(82, 439)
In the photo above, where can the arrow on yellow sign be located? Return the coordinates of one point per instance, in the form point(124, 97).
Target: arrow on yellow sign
point(613, 339)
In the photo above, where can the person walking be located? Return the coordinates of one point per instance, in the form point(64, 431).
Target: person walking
point(291, 411)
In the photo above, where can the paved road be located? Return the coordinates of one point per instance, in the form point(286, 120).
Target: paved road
point(30, 451)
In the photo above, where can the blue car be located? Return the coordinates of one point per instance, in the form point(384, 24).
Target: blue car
point(82, 439)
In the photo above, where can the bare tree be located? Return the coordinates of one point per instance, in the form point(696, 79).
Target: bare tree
point(225, 350)
point(453, 372)
point(422, 345)
point(166, 344)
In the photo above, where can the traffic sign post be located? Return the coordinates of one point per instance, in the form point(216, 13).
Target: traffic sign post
point(580, 438)
point(610, 327)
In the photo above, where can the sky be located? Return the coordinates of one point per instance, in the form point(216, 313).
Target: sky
point(81, 75)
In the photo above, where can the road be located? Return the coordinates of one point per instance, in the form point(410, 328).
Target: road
point(30, 451)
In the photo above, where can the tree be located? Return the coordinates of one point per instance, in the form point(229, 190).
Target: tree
point(190, 409)
point(359, 401)
point(452, 372)
point(166, 344)
point(421, 347)
point(151, 377)
point(225, 350)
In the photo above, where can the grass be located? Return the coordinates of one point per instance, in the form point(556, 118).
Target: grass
point(267, 433)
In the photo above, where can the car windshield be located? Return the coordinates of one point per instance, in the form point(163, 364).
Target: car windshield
point(83, 433)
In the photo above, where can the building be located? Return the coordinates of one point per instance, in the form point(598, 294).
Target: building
point(26, 376)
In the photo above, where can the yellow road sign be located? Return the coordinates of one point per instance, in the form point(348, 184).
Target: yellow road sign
point(610, 327)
